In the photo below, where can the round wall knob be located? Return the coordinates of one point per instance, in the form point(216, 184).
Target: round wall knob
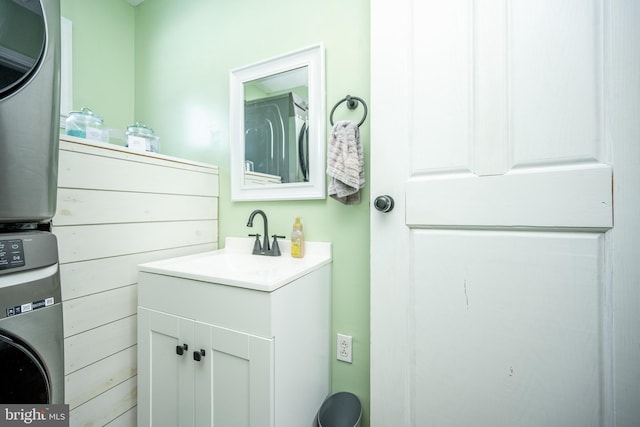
point(383, 203)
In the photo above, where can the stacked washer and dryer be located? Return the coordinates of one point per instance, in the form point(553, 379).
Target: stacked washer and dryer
point(31, 334)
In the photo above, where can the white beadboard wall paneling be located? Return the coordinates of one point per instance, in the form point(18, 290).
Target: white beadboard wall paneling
point(82, 314)
point(82, 386)
point(108, 221)
point(107, 406)
point(78, 170)
point(83, 146)
point(98, 343)
point(98, 275)
point(85, 242)
point(82, 206)
point(128, 419)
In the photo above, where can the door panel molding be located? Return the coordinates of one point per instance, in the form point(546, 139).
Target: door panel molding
point(555, 198)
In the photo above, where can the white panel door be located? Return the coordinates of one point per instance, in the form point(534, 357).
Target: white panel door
point(492, 128)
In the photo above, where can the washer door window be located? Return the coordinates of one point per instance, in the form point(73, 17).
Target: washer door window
point(24, 378)
point(22, 43)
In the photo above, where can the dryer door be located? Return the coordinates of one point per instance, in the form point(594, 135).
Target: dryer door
point(22, 43)
point(24, 378)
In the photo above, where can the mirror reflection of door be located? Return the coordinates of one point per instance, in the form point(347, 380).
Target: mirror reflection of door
point(276, 133)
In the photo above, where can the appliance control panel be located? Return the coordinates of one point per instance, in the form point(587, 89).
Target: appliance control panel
point(11, 254)
point(26, 251)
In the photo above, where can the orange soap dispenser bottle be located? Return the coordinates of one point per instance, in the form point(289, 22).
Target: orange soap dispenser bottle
point(297, 239)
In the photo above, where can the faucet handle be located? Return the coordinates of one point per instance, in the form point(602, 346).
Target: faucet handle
point(275, 248)
point(257, 246)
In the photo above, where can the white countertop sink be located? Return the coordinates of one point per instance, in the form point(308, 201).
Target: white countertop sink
point(236, 266)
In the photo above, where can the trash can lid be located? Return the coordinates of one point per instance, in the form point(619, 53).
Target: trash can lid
point(341, 409)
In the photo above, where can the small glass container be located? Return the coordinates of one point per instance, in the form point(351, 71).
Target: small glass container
point(86, 124)
point(141, 138)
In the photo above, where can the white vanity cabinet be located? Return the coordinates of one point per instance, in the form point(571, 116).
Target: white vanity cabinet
point(183, 357)
point(248, 357)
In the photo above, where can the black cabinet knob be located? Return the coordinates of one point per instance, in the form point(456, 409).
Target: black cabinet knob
point(383, 203)
point(198, 355)
point(180, 349)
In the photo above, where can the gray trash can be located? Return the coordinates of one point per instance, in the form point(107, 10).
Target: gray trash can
point(342, 409)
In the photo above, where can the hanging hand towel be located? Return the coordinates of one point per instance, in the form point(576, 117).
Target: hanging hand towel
point(345, 163)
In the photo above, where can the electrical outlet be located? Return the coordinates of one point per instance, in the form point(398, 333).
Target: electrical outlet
point(344, 348)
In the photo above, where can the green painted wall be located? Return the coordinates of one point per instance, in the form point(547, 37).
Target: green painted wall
point(183, 54)
point(103, 58)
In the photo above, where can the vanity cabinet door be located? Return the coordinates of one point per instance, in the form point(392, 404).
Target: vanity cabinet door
point(165, 377)
point(233, 378)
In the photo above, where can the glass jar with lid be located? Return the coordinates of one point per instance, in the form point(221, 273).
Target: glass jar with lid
point(86, 124)
point(140, 137)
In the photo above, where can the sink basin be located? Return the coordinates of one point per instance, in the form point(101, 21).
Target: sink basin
point(236, 266)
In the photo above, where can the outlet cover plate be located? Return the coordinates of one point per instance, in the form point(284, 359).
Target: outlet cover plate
point(344, 348)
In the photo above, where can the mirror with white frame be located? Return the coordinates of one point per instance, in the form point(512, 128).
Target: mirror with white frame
point(277, 133)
